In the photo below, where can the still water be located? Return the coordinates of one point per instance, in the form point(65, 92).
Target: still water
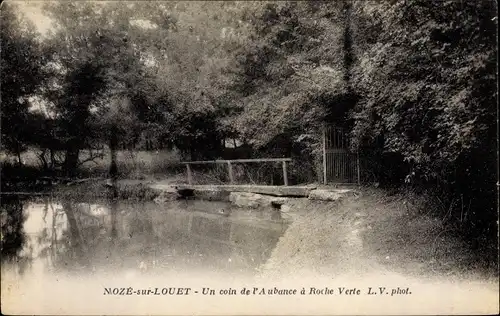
point(46, 238)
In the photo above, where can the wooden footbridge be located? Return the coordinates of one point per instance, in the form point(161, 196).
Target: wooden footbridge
point(230, 164)
point(340, 165)
point(275, 190)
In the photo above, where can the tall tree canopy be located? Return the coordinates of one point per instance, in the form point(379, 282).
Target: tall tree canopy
point(289, 71)
point(426, 74)
point(432, 63)
point(22, 74)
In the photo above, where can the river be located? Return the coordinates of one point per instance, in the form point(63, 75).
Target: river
point(48, 236)
point(47, 240)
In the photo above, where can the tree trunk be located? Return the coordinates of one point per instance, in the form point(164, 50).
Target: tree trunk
point(41, 156)
point(19, 160)
point(52, 159)
point(348, 49)
point(113, 168)
point(71, 161)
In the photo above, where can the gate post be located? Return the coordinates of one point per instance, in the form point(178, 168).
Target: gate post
point(324, 154)
point(359, 170)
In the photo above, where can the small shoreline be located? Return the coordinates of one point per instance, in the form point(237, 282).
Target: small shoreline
point(153, 189)
point(369, 236)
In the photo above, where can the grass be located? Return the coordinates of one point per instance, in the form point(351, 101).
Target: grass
point(135, 164)
point(131, 164)
point(98, 189)
point(163, 164)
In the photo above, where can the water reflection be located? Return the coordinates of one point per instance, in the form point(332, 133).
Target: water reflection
point(12, 236)
point(50, 236)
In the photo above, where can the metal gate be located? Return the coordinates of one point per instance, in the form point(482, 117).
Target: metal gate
point(340, 165)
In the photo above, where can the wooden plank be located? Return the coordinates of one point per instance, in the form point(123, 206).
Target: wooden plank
point(238, 161)
point(199, 162)
point(285, 176)
point(261, 160)
point(27, 193)
point(298, 191)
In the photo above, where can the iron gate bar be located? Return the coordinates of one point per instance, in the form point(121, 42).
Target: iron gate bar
point(340, 165)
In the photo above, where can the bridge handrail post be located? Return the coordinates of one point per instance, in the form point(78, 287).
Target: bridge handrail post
point(189, 174)
point(285, 174)
point(230, 171)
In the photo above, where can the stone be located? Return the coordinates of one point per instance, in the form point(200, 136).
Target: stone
point(329, 195)
point(253, 200)
point(166, 196)
point(285, 208)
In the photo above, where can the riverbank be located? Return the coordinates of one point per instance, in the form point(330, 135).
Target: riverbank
point(386, 242)
point(375, 233)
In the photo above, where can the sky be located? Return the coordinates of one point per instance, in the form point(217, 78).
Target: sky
point(33, 11)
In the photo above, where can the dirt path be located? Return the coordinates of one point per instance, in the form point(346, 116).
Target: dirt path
point(375, 239)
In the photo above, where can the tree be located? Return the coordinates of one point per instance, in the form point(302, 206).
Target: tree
point(430, 62)
point(22, 74)
point(426, 73)
point(290, 77)
point(97, 51)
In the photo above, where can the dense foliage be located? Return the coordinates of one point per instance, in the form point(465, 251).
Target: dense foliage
point(426, 74)
point(427, 80)
point(21, 75)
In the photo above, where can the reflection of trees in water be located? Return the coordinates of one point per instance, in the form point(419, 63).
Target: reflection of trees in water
point(78, 248)
point(85, 237)
point(53, 241)
point(68, 249)
point(73, 238)
point(13, 237)
point(141, 240)
point(141, 224)
point(114, 208)
point(12, 219)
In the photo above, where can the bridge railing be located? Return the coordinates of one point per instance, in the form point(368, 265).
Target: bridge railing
point(230, 164)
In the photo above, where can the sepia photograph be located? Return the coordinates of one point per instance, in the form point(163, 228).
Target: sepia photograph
point(249, 157)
